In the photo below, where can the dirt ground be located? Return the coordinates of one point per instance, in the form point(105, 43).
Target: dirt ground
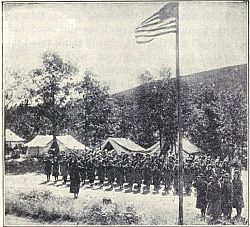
point(155, 209)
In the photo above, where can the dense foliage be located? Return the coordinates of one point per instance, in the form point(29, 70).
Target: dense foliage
point(214, 107)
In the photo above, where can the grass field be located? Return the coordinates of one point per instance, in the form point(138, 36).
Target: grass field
point(28, 196)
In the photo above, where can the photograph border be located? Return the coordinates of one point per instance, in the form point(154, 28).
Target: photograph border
point(110, 2)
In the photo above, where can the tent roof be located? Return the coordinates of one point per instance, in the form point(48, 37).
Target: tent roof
point(70, 143)
point(67, 141)
point(154, 148)
point(123, 145)
point(12, 137)
point(188, 147)
point(40, 141)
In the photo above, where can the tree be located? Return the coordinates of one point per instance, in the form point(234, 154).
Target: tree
point(124, 117)
point(52, 89)
point(15, 94)
point(156, 106)
point(234, 121)
point(145, 77)
point(91, 112)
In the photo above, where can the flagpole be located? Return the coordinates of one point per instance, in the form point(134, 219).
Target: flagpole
point(179, 121)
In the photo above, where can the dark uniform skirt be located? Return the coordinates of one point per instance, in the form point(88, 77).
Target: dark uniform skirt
point(214, 208)
point(238, 201)
point(47, 169)
point(55, 172)
point(75, 181)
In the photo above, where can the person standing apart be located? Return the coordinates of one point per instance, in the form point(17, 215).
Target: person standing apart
point(48, 167)
point(75, 177)
point(214, 198)
point(238, 202)
point(201, 186)
point(55, 172)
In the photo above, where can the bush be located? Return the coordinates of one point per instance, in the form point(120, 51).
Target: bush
point(28, 165)
point(111, 214)
point(15, 155)
point(42, 205)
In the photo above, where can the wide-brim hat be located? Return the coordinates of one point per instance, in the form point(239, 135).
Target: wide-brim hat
point(237, 172)
point(223, 171)
point(214, 175)
point(200, 175)
point(226, 175)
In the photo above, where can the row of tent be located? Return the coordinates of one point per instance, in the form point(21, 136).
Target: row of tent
point(41, 144)
point(128, 146)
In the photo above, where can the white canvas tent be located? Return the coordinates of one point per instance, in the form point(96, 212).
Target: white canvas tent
point(13, 139)
point(41, 144)
point(188, 148)
point(154, 149)
point(122, 145)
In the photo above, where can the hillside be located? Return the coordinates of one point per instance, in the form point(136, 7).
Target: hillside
point(227, 77)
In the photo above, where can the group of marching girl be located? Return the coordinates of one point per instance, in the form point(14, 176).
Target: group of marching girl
point(216, 180)
point(219, 195)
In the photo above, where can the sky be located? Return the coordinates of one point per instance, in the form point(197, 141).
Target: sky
point(101, 37)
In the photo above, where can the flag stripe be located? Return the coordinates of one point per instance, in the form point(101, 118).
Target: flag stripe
point(148, 25)
point(157, 29)
point(146, 21)
point(156, 23)
point(143, 42)
point(157, 34)
point(172, 21)
point(153, 19)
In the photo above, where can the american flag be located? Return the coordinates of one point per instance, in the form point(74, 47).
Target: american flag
point(161, 23)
